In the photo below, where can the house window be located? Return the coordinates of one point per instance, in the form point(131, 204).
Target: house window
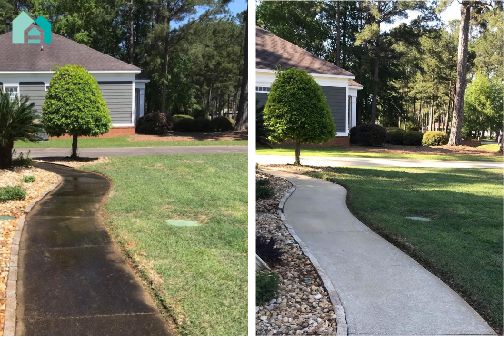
point(349, 119)
point(12, 90)
point(46, 87)
point(263, 89)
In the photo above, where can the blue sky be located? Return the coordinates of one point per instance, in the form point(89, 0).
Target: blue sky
point(237, 6)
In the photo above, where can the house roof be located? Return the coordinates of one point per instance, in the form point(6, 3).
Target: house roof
point(30, 57)
point(273, 51)
point(353, 83)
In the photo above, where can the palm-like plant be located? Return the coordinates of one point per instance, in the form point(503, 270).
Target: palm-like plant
point(18, 121)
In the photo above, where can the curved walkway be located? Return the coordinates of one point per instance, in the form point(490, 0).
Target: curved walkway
point(72, 280)
point(374, 162)
point(383, 290)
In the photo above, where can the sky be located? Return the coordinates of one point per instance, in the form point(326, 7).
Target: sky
point(238, 6)
point(452, 12)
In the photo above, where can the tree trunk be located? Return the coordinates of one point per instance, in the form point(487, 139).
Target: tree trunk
point(164, 85)
point(375, 91)
point(74, 146)
point(297, 153)
point(6, 155)
point(458, 114)
point(241, 116)
point(132, 33)
point(337, 46)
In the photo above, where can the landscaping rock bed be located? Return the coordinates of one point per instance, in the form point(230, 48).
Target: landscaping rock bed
point(44, 181)
point(302, 306)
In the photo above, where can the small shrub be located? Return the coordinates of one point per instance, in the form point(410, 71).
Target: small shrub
point(368, 134)
point(412, 138)
point(153, 124)
point(263, 189)
point(202, 124)
point(28, 179)
point(22, 161)
point(12, 193)
point(221, 123)
point(434, 138)
point(266, 287)
point(395, 136)
point(180, 116)
point(192, 125)
point(267, 251)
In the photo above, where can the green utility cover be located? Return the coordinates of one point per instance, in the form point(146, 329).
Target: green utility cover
point(182, 223)
point(418, 218)
point(6, 217)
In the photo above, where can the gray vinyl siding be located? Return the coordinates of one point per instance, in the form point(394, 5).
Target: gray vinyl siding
point(35, 93)
point(261, 98)
point(336, 97)
point(118, 96)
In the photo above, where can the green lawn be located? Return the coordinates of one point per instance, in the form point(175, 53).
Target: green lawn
point(361, 152)
point(463, 242)
point(199, 272)
point(123, 141)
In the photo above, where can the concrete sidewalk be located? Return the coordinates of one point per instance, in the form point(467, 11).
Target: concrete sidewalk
point(131, 151)
point(374, 162)
point(383, 290)
point(72, 280)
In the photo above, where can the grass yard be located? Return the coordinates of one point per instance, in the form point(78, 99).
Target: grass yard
point(463, 242)
point(123, 141)
point(200, 273)
point(357, 151)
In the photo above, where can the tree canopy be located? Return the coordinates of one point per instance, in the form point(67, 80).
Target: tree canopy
point(408, 70)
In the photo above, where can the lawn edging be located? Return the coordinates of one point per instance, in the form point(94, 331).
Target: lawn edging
point(10, 292)
point(339, 310)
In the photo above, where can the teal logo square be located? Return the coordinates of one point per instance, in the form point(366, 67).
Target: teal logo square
point(27, 30)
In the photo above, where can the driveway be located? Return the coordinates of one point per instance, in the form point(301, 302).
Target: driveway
point(374, 162)
point(383, 290)
point(72, 280)
point(131, 151)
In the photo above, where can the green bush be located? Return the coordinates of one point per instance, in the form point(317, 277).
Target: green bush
point(412, 138)
point(22, 161)
point(74, 105)
point(28, 179)
point(434, 138)
point(266, 287)
point(12, 193)
point(368, 135)
point(192, 125)
point(221, 123)
point(263, 189)
point(153, 124)
point(179, 117)
point(395, 136)
point(297, 110)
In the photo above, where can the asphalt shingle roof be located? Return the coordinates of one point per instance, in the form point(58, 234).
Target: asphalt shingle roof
point(30, 57)
point(273, 51)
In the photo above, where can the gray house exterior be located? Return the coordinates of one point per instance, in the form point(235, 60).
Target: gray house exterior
point(338, 85)
point(27, 69)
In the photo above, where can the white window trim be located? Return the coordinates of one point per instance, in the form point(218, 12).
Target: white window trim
point(133, 105)
point(16, 85)
point(260, 89)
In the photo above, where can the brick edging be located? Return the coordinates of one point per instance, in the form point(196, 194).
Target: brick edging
point(339, 310)
point(9, 328)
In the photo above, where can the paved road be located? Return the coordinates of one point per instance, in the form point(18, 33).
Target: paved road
point(132, 151)
point(72, 280)
point(383, 290)
point(374, 162)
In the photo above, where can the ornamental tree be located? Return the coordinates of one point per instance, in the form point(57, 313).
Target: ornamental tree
point(297, 110)
point(74, 105)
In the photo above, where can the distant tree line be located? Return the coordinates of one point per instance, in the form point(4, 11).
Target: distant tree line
point(410, 73)
point(192, 51)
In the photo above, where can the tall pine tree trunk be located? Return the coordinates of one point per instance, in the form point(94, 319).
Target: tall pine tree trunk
point(375, 92)
point(166, 59)
point(241, 116)
point(458, 114)
point(131, 50)
point(337, 46)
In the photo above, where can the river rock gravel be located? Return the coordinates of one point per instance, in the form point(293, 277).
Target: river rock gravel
point(302, 306)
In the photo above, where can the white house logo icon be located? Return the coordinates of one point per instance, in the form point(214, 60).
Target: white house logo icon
point(25, 29)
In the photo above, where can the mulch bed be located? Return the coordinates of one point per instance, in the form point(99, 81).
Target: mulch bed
point(302, 305)
point(44, 182)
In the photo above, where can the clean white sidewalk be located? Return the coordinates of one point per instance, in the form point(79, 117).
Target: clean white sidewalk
point(372, 162)
point(383, 290)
